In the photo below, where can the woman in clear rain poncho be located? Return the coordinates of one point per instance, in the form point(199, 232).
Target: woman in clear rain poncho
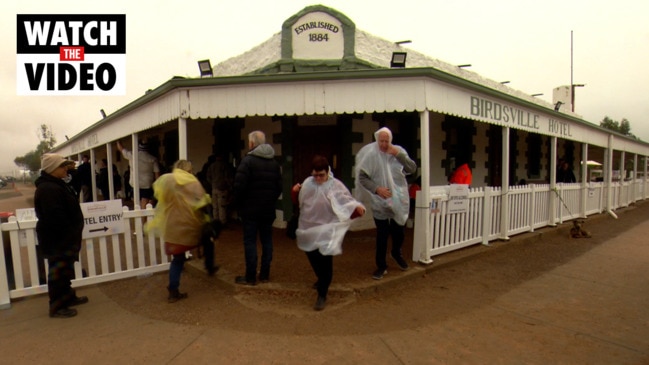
point(381, 170)
point(326, 211)
point(180, 219)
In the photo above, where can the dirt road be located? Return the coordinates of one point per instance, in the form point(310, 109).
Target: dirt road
point(539, 298)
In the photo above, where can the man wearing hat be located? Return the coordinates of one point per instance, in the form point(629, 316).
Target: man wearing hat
point(59, 228)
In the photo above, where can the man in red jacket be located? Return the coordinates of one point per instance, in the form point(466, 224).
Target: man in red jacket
point(461, 175)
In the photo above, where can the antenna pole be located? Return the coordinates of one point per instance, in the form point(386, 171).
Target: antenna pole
point(572, 84)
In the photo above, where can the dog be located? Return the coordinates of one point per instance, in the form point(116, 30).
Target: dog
point(577, 231)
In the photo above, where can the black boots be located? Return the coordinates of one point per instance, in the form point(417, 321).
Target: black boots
point(175, 295)
point(320, 303)
point(63, 312)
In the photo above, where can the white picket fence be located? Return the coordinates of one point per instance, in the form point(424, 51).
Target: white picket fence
point(134, 253)
point(102, 259)
point(528, 206)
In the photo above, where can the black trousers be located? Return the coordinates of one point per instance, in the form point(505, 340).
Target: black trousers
point(59, 284)
point(208, 254)
point(323, 267)
point(384, 229)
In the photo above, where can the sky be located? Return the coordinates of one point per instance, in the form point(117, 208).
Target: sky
point(536, 45)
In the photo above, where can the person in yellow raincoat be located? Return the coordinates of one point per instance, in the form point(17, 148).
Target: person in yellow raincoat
point(180, 219)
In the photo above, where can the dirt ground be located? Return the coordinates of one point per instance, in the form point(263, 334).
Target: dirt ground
point(357, 304)
point(538, 298)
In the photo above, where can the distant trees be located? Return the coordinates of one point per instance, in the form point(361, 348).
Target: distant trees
point(622, 127)
point(32, 160)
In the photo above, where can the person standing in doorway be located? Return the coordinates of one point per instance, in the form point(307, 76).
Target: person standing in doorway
point(257, 185)
point(59, 229)
point(84, 172)
point(148, 171)
point(102, 179)
point(117, 182)
point(565, 174)
point(128, 189)
point(219, 178)
point(381, 170)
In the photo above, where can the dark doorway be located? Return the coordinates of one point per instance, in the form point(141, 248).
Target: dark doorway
point(315, 140)
point(495, 153)
point(227, 139)
point(534, 156)
point(459, 143)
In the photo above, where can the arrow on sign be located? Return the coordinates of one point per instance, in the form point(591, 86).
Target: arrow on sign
point(99, 229)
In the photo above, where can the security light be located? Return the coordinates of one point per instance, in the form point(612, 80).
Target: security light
point(398, 59)
point(205, 67)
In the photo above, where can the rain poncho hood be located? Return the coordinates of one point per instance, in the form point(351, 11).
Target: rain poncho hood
point(385, 170)
point(178, 215)
point(325, 211)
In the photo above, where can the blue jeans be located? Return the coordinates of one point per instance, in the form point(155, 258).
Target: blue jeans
point(175, 268)
point(384, 229)
point(178, 262)
point(250, 230)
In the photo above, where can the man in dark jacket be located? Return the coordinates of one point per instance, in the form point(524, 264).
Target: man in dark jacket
point(84, 173)
point(565, 174)
point(257, 185)
point(59, 229)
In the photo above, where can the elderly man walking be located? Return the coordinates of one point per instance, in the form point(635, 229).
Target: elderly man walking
point(381, 169)
point(257, 185)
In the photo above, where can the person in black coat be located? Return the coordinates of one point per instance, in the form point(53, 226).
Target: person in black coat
point(257, 185)
point(128, 189)
point(84, 173)
point(102, 180)
point(59, 229)
point(565, 174)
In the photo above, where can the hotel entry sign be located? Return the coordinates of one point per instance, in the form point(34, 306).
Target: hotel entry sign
point(318, 36)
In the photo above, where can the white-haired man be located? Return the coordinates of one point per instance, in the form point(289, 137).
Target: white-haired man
point(257, 185)
point(381, 170)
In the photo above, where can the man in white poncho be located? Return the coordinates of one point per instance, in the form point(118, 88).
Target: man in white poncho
point(381, 170)
point(326, 211)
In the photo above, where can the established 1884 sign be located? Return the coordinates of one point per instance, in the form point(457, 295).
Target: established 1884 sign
point(102, 218)
point(318, 36)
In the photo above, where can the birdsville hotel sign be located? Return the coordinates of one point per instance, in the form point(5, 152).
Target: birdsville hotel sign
point(506, 115)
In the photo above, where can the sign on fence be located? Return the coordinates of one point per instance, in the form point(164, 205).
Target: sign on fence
point(458, 198)
point(102, 218)
point(24, 215)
